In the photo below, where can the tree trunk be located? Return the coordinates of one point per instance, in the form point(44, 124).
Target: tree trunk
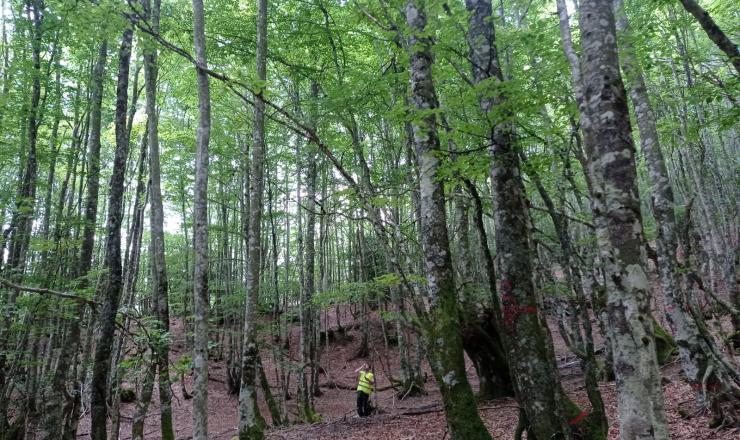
point(308, 321)
point(640, 398)
point(142, 404)
point(131, 266)
point(691, 347)
point(55, 149)
point(200, 236)
point(251, 423)
point(528, 340)
point(24, 212)
point(483, 345)
point(93, 161)
point(112, 285)
point(158, 269)
point(444, 344)
point(580, 340)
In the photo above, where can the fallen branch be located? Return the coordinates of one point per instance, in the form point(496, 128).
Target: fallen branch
point(428, 409)
point(336, 385)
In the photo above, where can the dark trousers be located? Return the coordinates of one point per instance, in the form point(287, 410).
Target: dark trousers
point(363, 404)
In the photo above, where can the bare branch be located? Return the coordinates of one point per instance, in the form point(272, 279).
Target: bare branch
point(45, 291)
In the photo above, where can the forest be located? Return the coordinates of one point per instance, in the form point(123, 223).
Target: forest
point(369, 219)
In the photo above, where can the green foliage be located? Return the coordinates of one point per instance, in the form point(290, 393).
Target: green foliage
point(357, 291)
point(354, 53)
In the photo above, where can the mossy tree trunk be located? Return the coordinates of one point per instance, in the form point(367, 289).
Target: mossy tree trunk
point(525, 333)
point(443, 341)
point(251, 423)
point(483, 345)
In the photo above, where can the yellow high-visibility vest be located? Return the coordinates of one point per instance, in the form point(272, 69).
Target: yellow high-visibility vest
point(365, 384)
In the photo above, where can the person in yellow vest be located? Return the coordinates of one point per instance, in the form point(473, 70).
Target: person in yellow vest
point(365, 388)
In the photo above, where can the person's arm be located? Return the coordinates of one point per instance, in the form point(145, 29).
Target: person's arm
point(360, 368)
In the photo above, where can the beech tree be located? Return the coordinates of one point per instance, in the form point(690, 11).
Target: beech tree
point(112, 285)
point(611, 160)
point(250, 419)
point(200, 234)
point(454, 188)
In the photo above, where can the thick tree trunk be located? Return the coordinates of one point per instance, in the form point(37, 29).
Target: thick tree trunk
point(527, 337)
point(113, 283)
point(483, 345)
point(251, 423)
point(702, 361)
point(200, 236)
point(593, 182)
point(640, 398)
point(492, 358)
point(444, 344)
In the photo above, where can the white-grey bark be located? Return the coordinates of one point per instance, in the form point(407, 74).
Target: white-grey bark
point(612, 159)
point(200, 235)
point(442, 334)
point(250, 420)
point(691, 347)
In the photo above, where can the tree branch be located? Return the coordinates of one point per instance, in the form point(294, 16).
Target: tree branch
point(45, 291)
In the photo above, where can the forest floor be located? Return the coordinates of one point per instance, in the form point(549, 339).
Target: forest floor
point(413, 418)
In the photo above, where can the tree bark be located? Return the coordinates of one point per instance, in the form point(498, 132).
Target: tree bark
point(691, 347)
point(640, 397)
point(111, 288)
point(55, 149)
point(131, 272)
point(582, 343)
point(251, 423)
point(308, 322)
point(527, 337)
point(444, 344)
point(23, 212)
point(93, 161)
point(200, 236)
point(142, 404)
point(159, 269)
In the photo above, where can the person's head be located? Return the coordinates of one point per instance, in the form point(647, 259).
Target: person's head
point(369, 366)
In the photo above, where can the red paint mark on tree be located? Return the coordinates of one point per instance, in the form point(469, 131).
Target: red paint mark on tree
point(510, 309)
point(578, 418)
point(712, 386)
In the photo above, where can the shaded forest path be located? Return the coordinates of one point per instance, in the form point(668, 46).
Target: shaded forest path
point(413, 418)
